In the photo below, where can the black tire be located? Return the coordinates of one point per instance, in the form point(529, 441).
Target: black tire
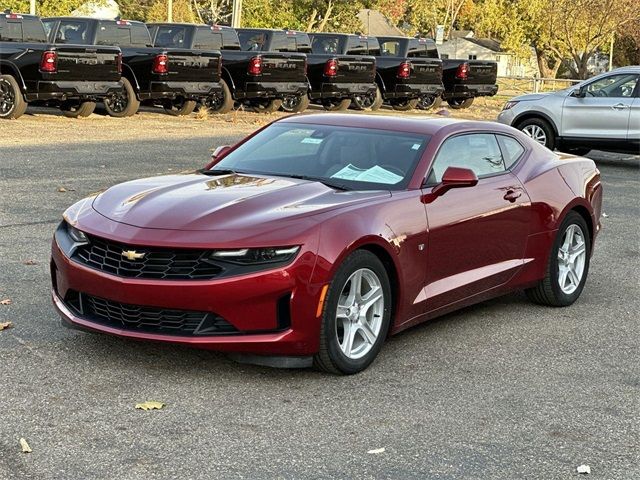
point(427, 102)
point(295, 104)
point(404, 105)
point(336, 105)
point(124, 104)
point(12, 104)
point(221, 103)
point(578, 151)
point(550, 137)
point(179, 107)
point(330, 357)
point(77, 110)
point(267, 106)
point(367, 102)
point(460, 103)
point(548, 291)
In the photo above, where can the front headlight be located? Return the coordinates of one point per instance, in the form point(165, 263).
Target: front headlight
point(76, 235)
point(256, 256)
point(509, 105)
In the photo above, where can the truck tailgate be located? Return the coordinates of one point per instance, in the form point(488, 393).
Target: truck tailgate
point(356, 69)
point(88, 63)
point(284, 67)
point(192, 66)
point(482, 73)
point(425, 71)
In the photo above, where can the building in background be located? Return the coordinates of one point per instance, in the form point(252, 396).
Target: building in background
point(375, 23)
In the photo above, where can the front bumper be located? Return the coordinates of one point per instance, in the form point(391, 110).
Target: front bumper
point(468, 91)
point(343, 90)
point(191, 90)
point(252, 303)
point(64, 90)
point(403, 90)
point(263, 90)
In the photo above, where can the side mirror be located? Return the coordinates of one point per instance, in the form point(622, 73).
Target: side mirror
point(580, 92)
point(453, 177)
point(220, 151)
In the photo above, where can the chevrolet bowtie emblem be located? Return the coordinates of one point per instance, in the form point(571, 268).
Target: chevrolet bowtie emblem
point(132, 255)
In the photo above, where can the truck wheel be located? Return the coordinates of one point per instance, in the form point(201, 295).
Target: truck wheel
point(335, 104)
point(267, 106)
point(12, 104)
point(539, 130)
point(77, 109)
point(363, 102)
point(180, 107)
point(404, 105)
point(295, 104)
point(222, 102)
point(124, 103)
point(427, 102)
point(459, 103)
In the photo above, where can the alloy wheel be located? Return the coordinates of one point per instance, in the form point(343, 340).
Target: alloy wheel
point(571, 259)
point(359, 313)
point(7, 98)
point(117, 102)
point(537, 133)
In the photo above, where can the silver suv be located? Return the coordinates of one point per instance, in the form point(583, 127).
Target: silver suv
point(600, 113)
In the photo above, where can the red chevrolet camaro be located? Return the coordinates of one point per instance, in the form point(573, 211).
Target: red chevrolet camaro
point(317, 236)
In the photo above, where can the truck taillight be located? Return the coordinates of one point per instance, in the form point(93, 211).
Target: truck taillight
point(404, 70)
point(462, 72)
point(119, 63)
point(49, 62)
point(161, 64)
point(331, 68)
point(255, 66)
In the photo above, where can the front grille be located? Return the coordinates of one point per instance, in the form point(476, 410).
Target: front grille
point(156, 263)
point(147, 319)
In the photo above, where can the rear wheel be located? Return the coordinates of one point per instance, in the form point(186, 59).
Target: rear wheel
point(404, 105)
point(336, 104)
point(568, 265)
point(77, 109)
point(267, 106)
point(459, 103)
point(295, 103)
point(427, 102)
point(179, 107)
point(124, 103)
point(221, 102)
point(539, 130)
point(12, 104)
point(356, 315)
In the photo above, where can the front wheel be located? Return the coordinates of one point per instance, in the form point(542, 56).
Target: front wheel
point(459, 103)
point(295, 103)
point(539, 130)
point(356, 315)
point(568, 265)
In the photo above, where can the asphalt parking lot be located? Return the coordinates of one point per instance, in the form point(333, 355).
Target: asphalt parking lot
point(501, 390)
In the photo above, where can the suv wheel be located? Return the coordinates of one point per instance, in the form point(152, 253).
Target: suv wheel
point(539, 130)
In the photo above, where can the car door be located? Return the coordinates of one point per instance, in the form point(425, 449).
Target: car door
point(604, 111)
point(633, 136)
point(477, 235)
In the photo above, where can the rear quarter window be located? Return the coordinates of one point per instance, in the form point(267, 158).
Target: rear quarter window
point(512, 151)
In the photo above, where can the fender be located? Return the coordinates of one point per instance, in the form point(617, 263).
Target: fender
point(14, 72)
point(380, 82)
point(534, 115)
point(127, 73)
point(226, 76)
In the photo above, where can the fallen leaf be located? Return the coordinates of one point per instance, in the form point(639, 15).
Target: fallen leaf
point(605, 215)
point(150, 405)
point(29, 262)
point(6, 301)
point(25, 446)
point(586, 469)
point(66, 189)
point(376, 451)
point(5, 325)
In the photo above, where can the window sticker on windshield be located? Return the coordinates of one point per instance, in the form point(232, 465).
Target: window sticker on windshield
point(313, 141)
point(374, 174)
point(416, 146)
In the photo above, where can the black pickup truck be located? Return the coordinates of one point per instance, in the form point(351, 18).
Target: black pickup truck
point(71, 77)
point(466, 79)
point(260, 80)
point(409, 71)
point(173, 78)
point(334, 78)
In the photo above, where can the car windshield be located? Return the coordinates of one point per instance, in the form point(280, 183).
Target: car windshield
point(352, 158)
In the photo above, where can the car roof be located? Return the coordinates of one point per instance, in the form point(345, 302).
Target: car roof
point(629, 69)
point(410, 124)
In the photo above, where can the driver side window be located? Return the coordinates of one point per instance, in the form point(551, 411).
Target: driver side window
point(613, 86)
point(478, 152)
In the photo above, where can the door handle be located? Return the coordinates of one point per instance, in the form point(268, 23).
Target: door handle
point(620, 106)
point(512, 195)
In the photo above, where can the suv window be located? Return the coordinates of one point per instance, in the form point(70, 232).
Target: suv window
point(476, 151)
point(511, 149)
point(620, 85)
point(73, 32)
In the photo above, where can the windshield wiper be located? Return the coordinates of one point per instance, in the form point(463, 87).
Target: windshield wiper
point(325, 181)
point(220, 171)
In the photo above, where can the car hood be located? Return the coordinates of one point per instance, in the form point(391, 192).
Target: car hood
point(539, 96)
point(200, 202)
